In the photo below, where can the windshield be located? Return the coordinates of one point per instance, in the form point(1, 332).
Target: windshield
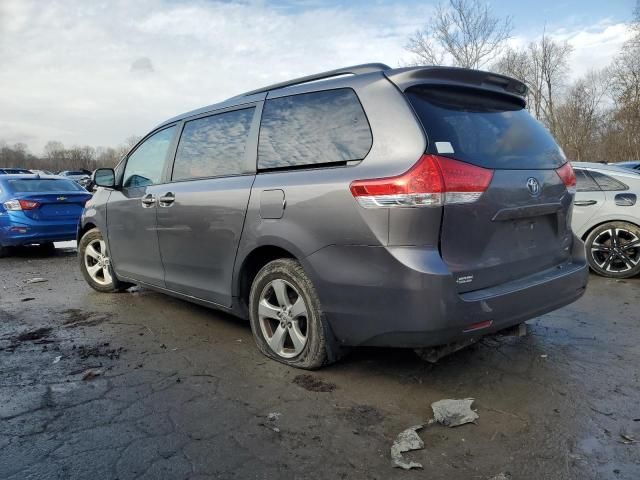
point(27, 185)
point(485, 129)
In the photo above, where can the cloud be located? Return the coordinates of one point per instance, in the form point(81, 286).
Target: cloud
point(97, 72)
point(142, 64)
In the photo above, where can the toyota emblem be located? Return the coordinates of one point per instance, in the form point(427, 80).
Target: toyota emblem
point(534, 186)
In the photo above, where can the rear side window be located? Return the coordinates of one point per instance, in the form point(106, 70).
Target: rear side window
point(484, 129)
point(313, 128)
point(584, 182)
point(607, 183)
point(40, 186)
point(214, 146)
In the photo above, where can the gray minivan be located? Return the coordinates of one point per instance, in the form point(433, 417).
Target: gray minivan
point(413, 207)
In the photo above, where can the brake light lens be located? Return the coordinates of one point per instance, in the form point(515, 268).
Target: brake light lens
point(568, 177)
point(16, 205)
point(433, 181)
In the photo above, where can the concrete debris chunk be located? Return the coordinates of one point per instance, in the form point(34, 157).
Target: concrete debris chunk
point(501, 476)
point(406, 441)
point(273, 416)
point(452, 413)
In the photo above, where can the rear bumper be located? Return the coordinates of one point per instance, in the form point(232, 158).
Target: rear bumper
point(406, 297)
point(15, 232)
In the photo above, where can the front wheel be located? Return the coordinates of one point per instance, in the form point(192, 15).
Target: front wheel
point(286, 319)
point(96, 265)
point(613, 250)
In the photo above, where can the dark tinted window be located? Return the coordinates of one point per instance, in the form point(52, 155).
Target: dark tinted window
point(213, 146)
point(145, 164)
point(607, 183)
point(312, 128)
point(39, 185)
point(484, 129)
point(584, 182)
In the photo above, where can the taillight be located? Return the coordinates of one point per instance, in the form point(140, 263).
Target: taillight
point(20, 205)
point(433, 181)
point(568, 177)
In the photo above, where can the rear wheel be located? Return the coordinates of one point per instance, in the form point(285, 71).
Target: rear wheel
point(613, 250)
point(96, 265)
point(48, 247)
point(4, 251)
point(286, 318)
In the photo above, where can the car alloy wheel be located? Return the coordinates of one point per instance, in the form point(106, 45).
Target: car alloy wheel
point(283, 318)
point(616, 250)
point(97, 262)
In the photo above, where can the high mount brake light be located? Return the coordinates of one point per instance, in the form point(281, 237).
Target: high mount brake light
point(433, 181)
point(568, 177)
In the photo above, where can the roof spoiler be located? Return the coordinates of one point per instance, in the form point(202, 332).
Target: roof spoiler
point(352, 70)
point(405, 78)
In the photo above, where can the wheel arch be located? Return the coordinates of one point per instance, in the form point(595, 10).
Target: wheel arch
point(84, 228)
point(251, 265)
point(601, 222)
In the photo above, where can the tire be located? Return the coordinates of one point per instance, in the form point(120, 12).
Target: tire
point(103, 279)
point(314, 345)
point(4, 251)
point(49, 248)
point(613, 250)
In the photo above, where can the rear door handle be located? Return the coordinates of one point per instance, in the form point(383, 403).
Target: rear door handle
point(584, 203)
point(148, 200)
point(167, 199)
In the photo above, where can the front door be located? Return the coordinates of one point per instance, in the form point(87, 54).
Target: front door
point(132, 210)
point(201, 211)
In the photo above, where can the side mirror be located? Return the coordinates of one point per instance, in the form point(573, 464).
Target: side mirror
point(104, 177)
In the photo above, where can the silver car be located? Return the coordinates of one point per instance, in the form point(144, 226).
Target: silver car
point(606, 215)
point(414, 207)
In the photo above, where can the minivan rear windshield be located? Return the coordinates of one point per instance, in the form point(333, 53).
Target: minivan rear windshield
point(485, 129)
point(24, 185)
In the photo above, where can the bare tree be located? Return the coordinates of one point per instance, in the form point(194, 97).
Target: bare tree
point(579, 118)
point(462, 33)
point(544, 67)
point(550, 68)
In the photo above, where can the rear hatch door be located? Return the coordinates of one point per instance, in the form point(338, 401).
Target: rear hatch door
point(520, 225)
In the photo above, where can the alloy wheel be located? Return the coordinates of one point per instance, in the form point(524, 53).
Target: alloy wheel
point(616, 250)
point(283, 318)
point(96, 261)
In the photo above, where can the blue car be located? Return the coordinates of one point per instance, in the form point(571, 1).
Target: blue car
point(39, 210)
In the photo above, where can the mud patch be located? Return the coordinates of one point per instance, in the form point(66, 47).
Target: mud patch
point(74, 317)
point(313, 384)
point(99, 351)
point(33, 335)
point(364, 415)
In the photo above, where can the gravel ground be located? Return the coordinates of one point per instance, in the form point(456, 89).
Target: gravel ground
point(141, 385)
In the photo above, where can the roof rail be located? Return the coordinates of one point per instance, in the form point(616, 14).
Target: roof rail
point(353, 70)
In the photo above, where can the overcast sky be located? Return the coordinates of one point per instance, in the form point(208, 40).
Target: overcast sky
point(96, 72)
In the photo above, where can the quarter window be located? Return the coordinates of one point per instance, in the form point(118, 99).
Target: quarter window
point(607, 183)
point(214, 146)
point(584, 182)
point(313, 128)
point(145, 164)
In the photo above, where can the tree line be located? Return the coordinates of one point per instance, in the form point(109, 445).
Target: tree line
point(593, 118)
point(56, 157)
